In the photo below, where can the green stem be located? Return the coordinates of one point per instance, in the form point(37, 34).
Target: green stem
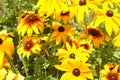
point(24, 65)
point(85, 22)
point(11, 63)
point(57, 75)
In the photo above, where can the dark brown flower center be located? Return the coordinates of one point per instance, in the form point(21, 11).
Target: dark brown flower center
point(28, 45)
point(118, 69)
point(94, 32)
point(31, 19)
point(65, 13)
point(61, 29)
point(72, 55)
point(76, 72)
point(82, 2)
point(1, 41)
point(86, 46)
point(42, 41)
point(112, 77)
point(109, 13)
point(111, 68)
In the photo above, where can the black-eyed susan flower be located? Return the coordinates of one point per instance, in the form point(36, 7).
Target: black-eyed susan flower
point(5, 48)
point(96, 35)
point(29, 23)
point(48, 7)
point(110, 73)
point(110, 18)
point(82, 7)
point(75, 70)
point(71, 52)
point(61, 32)
point(29, 45)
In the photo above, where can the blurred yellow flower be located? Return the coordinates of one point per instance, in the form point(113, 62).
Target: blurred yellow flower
point(62, 32)
point(30, 22)
point(48, 7)
point(12, 76)
point(6, 46)
point(29, 45)
point(3, 73)
point(75, 70)
point(109, 73)
point(109, 17)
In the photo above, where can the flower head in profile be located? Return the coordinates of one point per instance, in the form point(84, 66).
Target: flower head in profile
point(6, 46)
point(87, 45)
point(29, 23)
point(75, 70)
point(72, 52)
point(61, 32)
point(72, 40)
point(29, 45)
point(110, 72)
point(48, 7)
point(110, 18)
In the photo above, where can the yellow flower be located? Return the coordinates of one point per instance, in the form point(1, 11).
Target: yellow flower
point(6, 46)
point(65, 15)
point(75, 70)
point(30, 22)
point(61, 32)
point(29, 45)
point(49, 6)
point(12, 76)
point(71, 52)
point(109, 73)
point(109, 17)
point(3, 73)
point(96, 35)
point(82, 7)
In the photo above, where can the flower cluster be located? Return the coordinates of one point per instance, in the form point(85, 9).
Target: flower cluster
point(78, 39)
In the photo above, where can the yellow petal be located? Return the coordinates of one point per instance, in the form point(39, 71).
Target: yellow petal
point(66, 76)
point(108, 27)
point(3, 73)
point(1, 58)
